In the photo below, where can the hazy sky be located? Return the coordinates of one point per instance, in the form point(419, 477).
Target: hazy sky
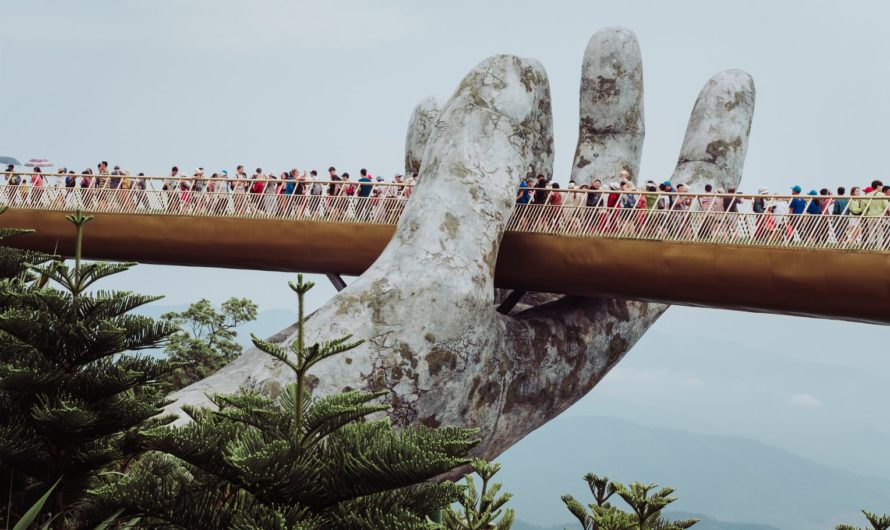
point(277, 84)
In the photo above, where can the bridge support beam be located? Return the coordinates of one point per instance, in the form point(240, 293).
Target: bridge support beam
point(337, 280)
point(510, 302)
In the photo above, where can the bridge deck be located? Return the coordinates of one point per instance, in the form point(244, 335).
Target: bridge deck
point(728, 269)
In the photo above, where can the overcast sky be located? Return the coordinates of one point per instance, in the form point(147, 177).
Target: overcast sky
point(278, 84)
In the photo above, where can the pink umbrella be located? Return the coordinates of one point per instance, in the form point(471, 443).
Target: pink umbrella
point(39, 162)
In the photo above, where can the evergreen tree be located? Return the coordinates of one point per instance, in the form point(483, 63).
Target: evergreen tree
point(480, 510)
point(14, 262)
point(72, 402)
point(645, 508)
point(295, 462)
point(877, 522)
point(205, 341)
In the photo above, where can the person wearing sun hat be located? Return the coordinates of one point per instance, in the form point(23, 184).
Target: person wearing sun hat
point(759, 204)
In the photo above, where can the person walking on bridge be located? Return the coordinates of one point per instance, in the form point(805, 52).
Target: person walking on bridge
point(218, 187)
point(170, 189)
point(711, 208)
point(240, 185)
point(364, 194)
point(331, 200)
point(257, 187)
point(316, 204)
point(875, 215)
point(796, 208)
point(392, 201)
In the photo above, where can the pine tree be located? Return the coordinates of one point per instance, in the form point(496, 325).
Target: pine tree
point(877, 522)
point(480, 510)
point(14, 262)
point(295, 462)
point(645, 511)
point(72, 401)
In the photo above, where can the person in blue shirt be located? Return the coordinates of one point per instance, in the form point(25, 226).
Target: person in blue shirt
point(364, 194)
point(796, 208)
point(365, 189)
point(798, 205)
point(815, 226)
point(814, 206)
point(523, 195)
point(291, 183)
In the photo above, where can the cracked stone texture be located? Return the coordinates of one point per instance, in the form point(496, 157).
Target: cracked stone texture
point(426, 306)
point(423, 119)
point(716, 139)
point(611, 129)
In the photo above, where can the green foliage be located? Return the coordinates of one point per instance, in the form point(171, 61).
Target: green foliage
point(72, 402)
point(877, 522)
point(480, 510)
point(205, 341)
point(645, 504)
point(293, 461)
point(32, 513)
point(14, 262)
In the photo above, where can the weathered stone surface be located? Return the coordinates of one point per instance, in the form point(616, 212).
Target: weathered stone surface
point(716, 139)
point(426, 307)
point(610, 135)
point(421, 124)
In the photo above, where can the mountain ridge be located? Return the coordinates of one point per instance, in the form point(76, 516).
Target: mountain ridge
point(729, 478)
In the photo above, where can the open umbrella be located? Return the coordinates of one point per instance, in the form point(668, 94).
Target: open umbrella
point(9, 161)
point(39, 162)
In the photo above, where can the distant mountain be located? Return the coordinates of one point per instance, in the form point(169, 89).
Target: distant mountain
point(705, 523)
point(709, 523)
point(728, 478)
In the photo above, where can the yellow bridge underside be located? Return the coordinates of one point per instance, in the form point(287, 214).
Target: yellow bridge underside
point(819, 283)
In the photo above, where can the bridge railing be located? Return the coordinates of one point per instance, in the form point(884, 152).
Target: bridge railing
point(840, 232)
point(862, 223)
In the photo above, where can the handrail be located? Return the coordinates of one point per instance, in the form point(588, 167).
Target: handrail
point(692, 217)
point(739, 196)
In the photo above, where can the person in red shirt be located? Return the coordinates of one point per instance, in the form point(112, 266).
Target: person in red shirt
point(554, 209)
point(36, 186)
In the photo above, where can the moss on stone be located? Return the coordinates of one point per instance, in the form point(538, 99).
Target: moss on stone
point(438, 359)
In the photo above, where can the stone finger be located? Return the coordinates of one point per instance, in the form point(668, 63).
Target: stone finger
point(611, 130)
point(716, 140)
point(421, 124)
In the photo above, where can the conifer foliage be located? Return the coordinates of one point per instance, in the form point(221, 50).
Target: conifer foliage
point(481, 510)
point(14, 262)
point(72, 402)
point(645, 504)
point(294, 462)
point(877, 522)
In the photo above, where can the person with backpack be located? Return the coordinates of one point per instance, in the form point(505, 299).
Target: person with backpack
point(13, 181)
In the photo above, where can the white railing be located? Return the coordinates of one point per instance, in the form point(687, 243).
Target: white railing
point(862, 223)
point(350, 201)
point(827, 231)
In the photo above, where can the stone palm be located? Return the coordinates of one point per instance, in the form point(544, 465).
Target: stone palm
point(426, 307)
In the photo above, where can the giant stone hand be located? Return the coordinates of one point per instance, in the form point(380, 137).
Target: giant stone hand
point(427, 305)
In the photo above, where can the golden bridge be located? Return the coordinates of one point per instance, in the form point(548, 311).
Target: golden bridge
point(687, 252)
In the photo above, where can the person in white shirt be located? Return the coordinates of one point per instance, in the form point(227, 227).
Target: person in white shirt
point(219, 190)
point(411, 181)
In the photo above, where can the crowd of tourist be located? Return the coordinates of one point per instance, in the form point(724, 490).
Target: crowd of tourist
point(622, 206)
point(240, 193)
point(619, 206)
